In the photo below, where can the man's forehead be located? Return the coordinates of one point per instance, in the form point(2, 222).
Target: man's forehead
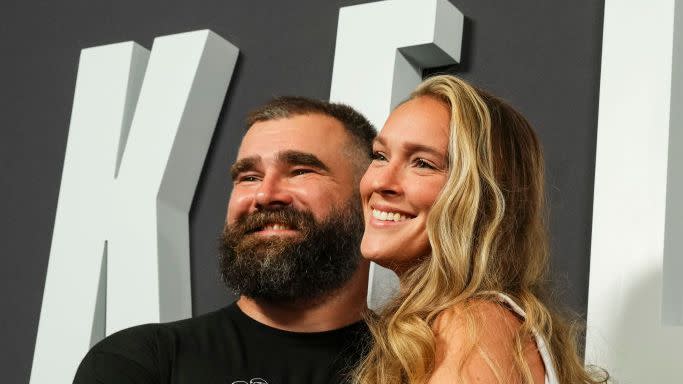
point(316, 134)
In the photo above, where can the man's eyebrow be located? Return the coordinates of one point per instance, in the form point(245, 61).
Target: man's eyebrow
point(243, 165)
point(301, 158)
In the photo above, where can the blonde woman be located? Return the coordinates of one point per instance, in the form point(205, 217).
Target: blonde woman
point(454, 204)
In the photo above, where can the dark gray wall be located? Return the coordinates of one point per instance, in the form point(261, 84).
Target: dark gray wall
point(542, 56)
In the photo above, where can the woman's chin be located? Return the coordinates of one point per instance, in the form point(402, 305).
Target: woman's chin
point(381, 258)
point(376, 255)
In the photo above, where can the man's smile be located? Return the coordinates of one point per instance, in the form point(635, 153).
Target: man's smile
point(275, 229)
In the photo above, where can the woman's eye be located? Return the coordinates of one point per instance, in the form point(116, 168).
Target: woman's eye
point(379, 156)
point(422, 163)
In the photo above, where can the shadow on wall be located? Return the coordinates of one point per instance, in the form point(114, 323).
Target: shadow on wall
point(648, 349)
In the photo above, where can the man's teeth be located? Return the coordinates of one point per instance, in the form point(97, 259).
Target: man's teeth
point(388, 216)
point(275, 227)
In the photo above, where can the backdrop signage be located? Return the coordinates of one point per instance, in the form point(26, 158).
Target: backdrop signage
point(140, 129)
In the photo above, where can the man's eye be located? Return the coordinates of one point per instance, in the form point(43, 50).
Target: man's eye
point(378, 156)
point(301, 171)
point(246, 179)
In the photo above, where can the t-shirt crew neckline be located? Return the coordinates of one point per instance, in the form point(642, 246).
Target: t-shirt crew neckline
point(322, 337)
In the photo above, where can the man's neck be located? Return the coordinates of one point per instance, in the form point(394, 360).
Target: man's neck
point(339, 309)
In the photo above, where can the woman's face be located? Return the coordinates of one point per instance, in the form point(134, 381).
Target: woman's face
point(408, 170)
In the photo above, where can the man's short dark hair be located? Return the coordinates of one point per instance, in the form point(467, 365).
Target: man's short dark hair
point(360, 130)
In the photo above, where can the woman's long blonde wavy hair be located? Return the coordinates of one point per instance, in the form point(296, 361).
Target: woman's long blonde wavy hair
point(488, 234)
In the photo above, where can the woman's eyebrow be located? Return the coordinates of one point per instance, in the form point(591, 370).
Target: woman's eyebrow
point(292, 157)
point(412, 147)
point(415, 147)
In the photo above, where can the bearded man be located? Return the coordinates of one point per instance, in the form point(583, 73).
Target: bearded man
point(290, 249)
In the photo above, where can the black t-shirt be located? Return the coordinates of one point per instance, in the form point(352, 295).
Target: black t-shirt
point(223, 347)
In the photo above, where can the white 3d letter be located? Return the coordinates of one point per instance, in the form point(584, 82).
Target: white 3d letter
point(381, 51)
point(140, 127)
point(635, 297)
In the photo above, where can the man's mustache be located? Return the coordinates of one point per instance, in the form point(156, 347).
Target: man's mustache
point(287, 216)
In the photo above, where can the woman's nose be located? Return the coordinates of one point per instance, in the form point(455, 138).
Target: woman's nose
point(387, 179)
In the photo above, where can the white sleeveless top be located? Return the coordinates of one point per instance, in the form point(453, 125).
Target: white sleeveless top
point(550, 374)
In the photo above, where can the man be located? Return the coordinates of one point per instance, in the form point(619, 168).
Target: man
point(290, 248)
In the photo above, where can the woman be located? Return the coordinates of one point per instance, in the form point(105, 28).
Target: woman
point(454, 204)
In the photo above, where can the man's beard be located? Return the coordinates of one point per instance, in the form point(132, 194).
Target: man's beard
point(310, 265)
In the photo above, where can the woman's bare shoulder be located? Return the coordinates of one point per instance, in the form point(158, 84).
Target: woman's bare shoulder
point(494, 312)
point(472, 338)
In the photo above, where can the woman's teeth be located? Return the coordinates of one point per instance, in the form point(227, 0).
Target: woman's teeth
point(388, 216)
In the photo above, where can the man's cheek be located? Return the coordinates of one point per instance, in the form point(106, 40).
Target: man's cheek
point(238, 206)
point(321, 203)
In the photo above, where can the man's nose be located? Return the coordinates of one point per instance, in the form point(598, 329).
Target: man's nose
point(272, 193)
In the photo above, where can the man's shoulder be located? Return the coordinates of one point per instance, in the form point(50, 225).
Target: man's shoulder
point(141, 351)
point(129, 353)
point(152, 334)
